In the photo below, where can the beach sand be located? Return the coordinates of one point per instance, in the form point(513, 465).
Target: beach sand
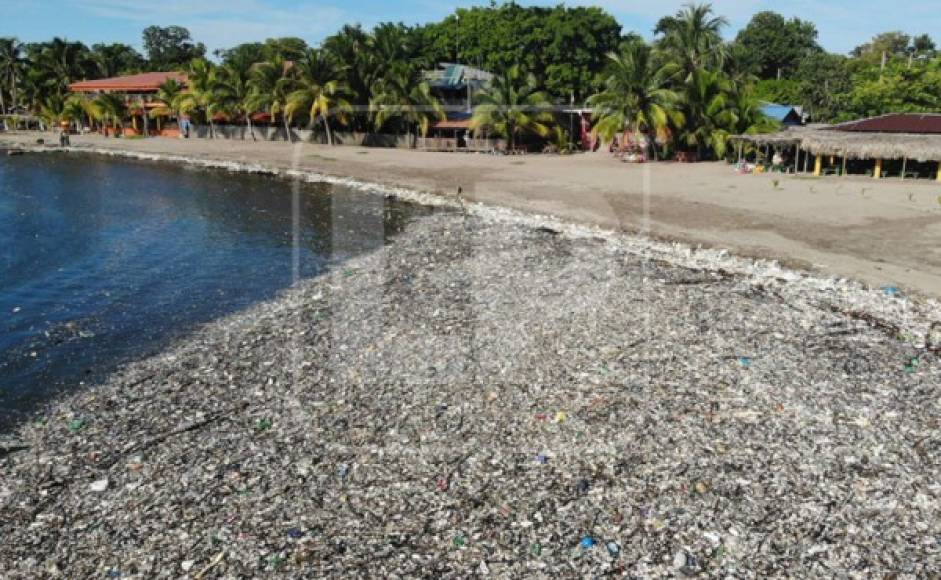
point(884, 233)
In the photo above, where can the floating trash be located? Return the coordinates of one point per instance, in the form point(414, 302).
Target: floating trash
point(745, 362)
point(542, 459)
point(587, 542)
point(613, 548)
point(891, 291)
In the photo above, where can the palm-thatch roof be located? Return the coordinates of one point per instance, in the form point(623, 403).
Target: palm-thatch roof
point(873, 145)
point(852, 145)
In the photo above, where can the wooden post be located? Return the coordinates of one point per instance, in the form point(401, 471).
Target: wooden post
point(818, 166)
point(877, 172)
point(843, 174)
point(939, 171)
point(797, 161)
point(904, 167)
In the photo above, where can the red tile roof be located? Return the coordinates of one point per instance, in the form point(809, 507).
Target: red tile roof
point(915, 123)
point(146, 82)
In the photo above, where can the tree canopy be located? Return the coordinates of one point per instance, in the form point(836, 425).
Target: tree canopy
point(775, 46)
point(170, 47)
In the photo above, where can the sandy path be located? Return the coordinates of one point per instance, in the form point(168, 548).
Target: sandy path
point(883, 233)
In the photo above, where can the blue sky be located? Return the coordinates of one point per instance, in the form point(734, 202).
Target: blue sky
point(843, 24)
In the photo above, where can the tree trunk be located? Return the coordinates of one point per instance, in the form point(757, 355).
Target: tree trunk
point(13, 94)
point(287, 130)
point(212, 128)
point(146, 120)
point(251, 130)
point(326, 124)
point(653, 146)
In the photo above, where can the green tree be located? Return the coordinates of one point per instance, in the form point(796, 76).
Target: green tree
point(169, 97)
point(115, 59)
point(635, 97)
point(824, 83)
point(564, 46)
point(271, 82)
point(693, 39)
point(398, 98)
point(110, 109)
point(200, 96)
point(708, 112)
point(170, 48)
point(234, 92)
point(776, 46)
point(12, 64)
point(513, 106)
point(889, 43)
point(320, 91)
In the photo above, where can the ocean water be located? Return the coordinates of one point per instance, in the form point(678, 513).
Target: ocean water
point(106, 261)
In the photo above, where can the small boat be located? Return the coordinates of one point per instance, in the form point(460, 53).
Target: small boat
point(13, 152)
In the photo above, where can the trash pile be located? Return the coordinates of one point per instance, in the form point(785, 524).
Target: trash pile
point(483, 397)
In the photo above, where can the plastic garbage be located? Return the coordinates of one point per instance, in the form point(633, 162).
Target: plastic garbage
point(587, 542)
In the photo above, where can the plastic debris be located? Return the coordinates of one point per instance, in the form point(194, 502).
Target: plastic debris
point(745, 362)
point(891, 291)
point(561, 417)
point(587, 542)
point(614, 550)
point(377, 389)
point(99, 485)
point(75, 425)
point(295, 533)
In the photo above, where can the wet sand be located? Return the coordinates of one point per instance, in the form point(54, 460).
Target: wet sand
point(881, 233)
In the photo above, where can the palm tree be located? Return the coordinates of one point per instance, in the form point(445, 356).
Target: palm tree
point(76, 109)
point(11, 69)
point(635, 97)
point(320, 91)
point(397, 97)
point(234, 92)
point(169, 96)
point(710, 116)
point(110, 109)
point(693, 38)
point(512, 106)
point(270, 83)
point(200, 95)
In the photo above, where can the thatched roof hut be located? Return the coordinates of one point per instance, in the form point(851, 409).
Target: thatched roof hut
point(887, 137)
point(921, 148)
point(915, 137)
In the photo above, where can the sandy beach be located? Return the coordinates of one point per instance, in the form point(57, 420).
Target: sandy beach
point(885, 233)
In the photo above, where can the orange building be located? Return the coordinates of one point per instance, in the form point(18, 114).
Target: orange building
point(139, 88)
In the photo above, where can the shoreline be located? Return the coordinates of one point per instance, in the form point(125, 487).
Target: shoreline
point(419, 400)
point(914, 313)
point(880, 233)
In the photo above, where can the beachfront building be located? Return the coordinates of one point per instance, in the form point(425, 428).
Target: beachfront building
point(898, 145)
point(139, 95)
point(455, 86)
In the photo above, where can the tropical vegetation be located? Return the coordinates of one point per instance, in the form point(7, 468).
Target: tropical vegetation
point(688, 89)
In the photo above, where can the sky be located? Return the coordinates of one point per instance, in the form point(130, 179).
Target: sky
point(843, 24)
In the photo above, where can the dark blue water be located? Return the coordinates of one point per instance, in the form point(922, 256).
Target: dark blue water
point(103, 262)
